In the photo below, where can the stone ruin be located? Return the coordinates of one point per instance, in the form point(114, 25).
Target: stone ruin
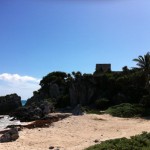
point(103, 68)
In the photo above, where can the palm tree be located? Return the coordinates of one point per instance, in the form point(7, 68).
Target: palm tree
point(143, 62)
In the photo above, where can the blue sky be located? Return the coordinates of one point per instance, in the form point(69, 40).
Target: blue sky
point(41, 36)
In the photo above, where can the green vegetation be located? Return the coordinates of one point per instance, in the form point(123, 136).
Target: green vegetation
point(138, 142)
point(126, 110)
point(143, 61)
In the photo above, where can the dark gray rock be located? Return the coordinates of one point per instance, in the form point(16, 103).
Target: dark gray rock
point(31, 113)
point(54, 90)
point(77, 110)
point(46, 108)
point(37, 111)
point(80, 92)
point(51, 147)
point(9, 136)
point(96, 141)
point(9, 103)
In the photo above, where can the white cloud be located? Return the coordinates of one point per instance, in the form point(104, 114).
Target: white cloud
point(22, 85)
point(17, 78)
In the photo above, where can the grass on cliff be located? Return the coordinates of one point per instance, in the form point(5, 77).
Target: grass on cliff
point(138, 142)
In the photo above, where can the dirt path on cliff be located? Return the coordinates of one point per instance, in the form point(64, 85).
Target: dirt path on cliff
point(77, 133)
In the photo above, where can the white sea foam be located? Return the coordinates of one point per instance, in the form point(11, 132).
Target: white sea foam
point(5, 121)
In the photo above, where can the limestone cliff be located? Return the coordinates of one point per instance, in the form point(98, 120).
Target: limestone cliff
point(65, 89)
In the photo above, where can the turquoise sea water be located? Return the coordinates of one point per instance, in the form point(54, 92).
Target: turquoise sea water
point(23, 102)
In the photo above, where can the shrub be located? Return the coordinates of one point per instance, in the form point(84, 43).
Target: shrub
point(126, 110)
point(102, 103)
point(138, 142)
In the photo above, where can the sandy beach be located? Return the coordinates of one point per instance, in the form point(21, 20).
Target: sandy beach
point(77, 133)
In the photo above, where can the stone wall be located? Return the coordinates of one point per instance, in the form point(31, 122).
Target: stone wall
point(103, 67)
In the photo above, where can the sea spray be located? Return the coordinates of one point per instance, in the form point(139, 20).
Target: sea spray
point(6, 120)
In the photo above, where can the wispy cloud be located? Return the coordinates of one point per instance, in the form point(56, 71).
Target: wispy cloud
point(15, 83)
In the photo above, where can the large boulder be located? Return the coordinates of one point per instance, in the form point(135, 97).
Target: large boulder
point(35, 112)
point(9, 103)
point(9, 136)
point(78, 110)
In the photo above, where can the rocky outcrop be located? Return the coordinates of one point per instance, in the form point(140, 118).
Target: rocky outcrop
point(54, 90)
point(10, 135)
point(63, 90)
point(31, 113)
point(37, 98)
point(81, 92)
point(78, 110)
point(9, 103)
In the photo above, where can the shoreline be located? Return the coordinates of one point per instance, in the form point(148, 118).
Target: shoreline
point(5, 120)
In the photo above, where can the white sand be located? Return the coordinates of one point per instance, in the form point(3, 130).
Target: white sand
point(77, 133)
